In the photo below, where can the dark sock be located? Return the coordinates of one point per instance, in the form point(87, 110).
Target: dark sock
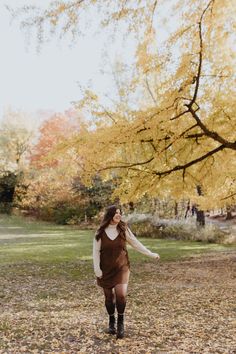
point(120, 317)
point(112, 319)
point(120, 304)
point(110, 306)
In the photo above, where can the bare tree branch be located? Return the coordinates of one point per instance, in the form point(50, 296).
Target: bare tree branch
point(200, 55)
point(190, 163)
point(153, 11)
point(195, 136)
point(126, 165)
point(229, 196)
point(150, 91)
point(215, 136)
point(179, 136)
point(166, 172)
point(179, 115)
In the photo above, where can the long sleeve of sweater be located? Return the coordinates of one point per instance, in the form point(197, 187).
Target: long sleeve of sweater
point(96, 257)
point(138, 246)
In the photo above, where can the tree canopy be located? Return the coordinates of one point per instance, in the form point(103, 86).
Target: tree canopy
point(173, 127)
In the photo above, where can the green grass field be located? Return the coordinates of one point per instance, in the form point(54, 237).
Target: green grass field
point(23, 240)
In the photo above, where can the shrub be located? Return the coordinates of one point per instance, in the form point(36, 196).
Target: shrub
point(147, 229)
point(179, 230)
point(5, 208)
point(67, 214)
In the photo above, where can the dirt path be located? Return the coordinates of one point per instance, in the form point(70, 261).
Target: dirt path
point(176, 307)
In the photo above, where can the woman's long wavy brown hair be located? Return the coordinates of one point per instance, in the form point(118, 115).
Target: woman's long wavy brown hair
point(107, 218)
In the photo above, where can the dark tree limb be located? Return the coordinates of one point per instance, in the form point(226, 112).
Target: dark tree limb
point(150, 91)
point(213, 135)
point(198, 76)
point(229, 196)
point(190, 163)
point(126, 165)
point(166, 172)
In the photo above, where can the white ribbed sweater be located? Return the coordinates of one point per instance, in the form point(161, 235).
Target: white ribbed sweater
point(112, 233)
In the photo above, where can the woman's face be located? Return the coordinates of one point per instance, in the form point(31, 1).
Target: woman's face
point(116, 217)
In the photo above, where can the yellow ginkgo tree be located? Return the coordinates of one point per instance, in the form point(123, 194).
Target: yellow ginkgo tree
point(179, 135)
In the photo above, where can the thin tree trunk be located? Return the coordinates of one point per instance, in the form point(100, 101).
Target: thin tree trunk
point(200, 218)
point(187, 210)
point(200, 213)
point(229, 215)
point(176, 210)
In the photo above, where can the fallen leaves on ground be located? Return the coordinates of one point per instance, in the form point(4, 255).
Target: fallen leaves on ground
point(186, 306)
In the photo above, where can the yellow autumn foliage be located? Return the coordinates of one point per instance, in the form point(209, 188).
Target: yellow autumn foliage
point(180, 133)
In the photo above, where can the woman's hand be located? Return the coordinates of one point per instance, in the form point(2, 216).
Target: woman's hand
point(99, 274)
point(157, 257)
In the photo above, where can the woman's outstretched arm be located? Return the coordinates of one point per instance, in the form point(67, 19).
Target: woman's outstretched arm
point(138, 246)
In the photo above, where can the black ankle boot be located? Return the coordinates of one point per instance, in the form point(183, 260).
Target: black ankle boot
point(112, 329)
point(120, 326)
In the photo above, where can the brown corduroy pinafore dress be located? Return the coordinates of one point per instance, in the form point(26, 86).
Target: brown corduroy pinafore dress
point(114, 261)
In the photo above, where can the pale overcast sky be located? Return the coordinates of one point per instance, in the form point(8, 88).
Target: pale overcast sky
point(48, 80)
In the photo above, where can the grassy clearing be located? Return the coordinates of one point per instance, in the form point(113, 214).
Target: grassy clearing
point(29, 241)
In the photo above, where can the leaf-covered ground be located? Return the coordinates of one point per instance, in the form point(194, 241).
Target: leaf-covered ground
point(185, 306)
point(49, 302)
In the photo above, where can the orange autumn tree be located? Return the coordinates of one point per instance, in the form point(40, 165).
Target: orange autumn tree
point(49, 179)
point(54, 190)
point(52, 132)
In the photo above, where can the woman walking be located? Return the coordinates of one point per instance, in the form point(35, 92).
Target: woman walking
point(111, 264)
